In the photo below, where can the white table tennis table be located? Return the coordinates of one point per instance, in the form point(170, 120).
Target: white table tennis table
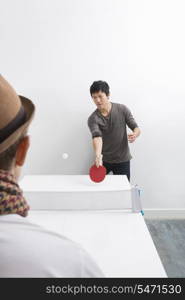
point(98, 216)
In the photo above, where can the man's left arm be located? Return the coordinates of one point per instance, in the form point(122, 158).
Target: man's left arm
point(132, 136)
point(131, 123)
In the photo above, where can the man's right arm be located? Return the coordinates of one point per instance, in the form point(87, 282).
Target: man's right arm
point(97, 145)
point(97, 140)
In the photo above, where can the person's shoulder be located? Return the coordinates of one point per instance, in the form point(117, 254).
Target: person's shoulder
point(120, 106)
point(67, 257)
point(89, 266)
point(52, 235)
point(78, 255)
point(40, 234)
point(93, 117)
point(69, 246)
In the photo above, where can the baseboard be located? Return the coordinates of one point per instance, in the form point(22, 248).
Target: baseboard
point(172, 213)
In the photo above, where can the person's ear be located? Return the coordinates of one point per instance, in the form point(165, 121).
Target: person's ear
point(22, 151)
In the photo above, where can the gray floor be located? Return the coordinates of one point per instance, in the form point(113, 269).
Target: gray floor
point(169, 239)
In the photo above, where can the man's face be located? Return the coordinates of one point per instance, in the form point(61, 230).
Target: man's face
point(100, 99)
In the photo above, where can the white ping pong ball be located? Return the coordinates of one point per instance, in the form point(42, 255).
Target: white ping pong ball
point(65, 155)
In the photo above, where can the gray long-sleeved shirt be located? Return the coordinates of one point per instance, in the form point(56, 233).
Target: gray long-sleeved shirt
point(113, 131)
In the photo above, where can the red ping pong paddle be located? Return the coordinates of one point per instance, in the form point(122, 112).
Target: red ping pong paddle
point(97, 174)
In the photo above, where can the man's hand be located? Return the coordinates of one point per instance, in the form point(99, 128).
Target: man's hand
point(131, 137)
point(98, 160)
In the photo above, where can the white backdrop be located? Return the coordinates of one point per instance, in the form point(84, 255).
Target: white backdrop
point(52, 50)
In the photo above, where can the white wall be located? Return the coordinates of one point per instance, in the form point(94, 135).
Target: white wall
point(52, 50)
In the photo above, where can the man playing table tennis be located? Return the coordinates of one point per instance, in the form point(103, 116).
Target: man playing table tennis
point(109, 132)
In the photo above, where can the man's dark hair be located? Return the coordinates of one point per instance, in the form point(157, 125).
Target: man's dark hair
point(99, 86)
point(6, 157)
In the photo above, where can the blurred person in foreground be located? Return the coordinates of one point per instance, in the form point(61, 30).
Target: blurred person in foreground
point(27, 249)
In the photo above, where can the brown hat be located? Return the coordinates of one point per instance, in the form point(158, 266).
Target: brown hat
point(16, 113)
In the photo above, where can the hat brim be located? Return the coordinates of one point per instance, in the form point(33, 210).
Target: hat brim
point(30, 111)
